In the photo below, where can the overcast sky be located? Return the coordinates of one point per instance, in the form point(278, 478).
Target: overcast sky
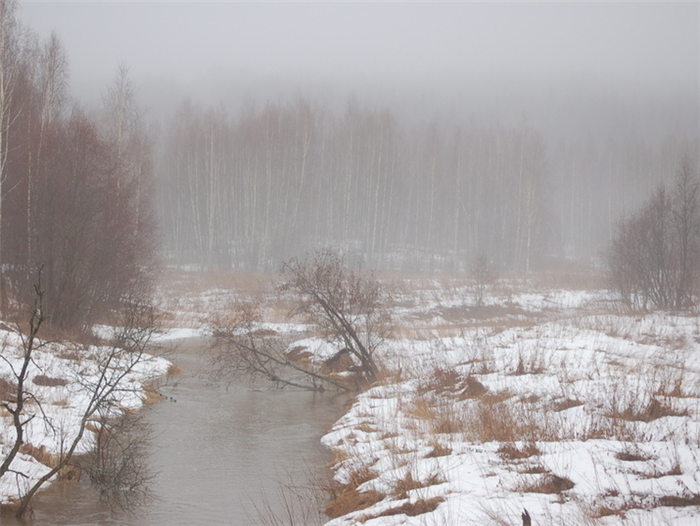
point(569, 65)
point(644, 40)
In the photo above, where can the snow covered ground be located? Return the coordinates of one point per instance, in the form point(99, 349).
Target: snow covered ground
point(552, 401)
point(548, 401)
point(59, 377)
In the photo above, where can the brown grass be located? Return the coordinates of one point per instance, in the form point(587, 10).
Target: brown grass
point(401, 487)
point(501, 422)
point(510, 451)
point(48, 381)
point(39, 453)
point(151, 395)
point(652, 411)
point(565, 404)
point(412, 509)
point(440, 419)
point(473, 388)
point(174, 370)
point(630, 456)
point(679, 502)
point(439, 451)
point(8, 390)
point(347, 500)
point(549, 484)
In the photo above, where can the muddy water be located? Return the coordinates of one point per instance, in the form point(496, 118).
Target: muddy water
point(220, 454)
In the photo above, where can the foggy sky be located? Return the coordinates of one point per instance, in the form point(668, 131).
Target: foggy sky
point(521, 54)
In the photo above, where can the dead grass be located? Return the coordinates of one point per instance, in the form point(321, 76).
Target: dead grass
point(48, 381)
point(401, 487)
point(679, 501)
point(438, 418)
point(632, 456)
point(549, 483)
point(510, 451)
point(411, 509)
point(346, 500)
point(39, 453)
point(439, 451)
point(174, 370)
point(8, 390)
point(652, 411)
point(151, 395)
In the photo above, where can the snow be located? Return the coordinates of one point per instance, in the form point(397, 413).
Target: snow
point(60, 407)
point(605, 401)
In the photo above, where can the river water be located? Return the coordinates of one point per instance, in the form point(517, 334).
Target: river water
point(222, 455)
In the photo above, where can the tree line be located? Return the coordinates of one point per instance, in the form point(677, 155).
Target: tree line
point(257, 187)
point(75, 194)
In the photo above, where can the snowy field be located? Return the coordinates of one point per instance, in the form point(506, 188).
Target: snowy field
point(548, 401)
point(553, 401)
point(557, 402)
point(60, 378)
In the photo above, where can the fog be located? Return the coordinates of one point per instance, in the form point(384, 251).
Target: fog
point(607, 91)
point(435, 50)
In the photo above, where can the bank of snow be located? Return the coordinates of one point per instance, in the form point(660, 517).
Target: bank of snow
point(542, 401)
point(59, 377)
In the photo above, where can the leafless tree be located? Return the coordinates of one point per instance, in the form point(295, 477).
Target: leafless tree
point(655, 255)
point(483, 276)
point(348, 306)
point(15, 405)
point(240, 348)
point(119, 466)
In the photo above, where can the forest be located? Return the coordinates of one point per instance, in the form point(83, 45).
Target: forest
point(95, 196)
point(250, 190)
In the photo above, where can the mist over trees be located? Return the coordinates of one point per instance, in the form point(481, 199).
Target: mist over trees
point(76, 200)
point(251, 189)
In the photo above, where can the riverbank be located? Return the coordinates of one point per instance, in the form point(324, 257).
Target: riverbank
point(60, 379)
point(549, 401)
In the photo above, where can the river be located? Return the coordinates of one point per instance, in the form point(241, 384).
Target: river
point(221, 454)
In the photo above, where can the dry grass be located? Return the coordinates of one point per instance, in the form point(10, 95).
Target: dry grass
point(39, 453)
point(151, 395)
point(651, 411)
point(439, 451)
point(402, 487)
point(510, 451)
point(411, 509)
point(8, 390)
point(548, 483)
point(679, 502)
point(48, 381)
point(344, 500)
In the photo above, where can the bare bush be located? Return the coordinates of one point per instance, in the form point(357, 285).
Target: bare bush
point(654, 260)
point(117, 466)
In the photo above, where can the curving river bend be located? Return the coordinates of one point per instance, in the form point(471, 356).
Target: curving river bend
point(220, 454)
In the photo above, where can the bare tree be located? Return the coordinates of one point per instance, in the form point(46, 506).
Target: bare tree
point(348, 306)
point(240, 348)
point(117, 465)
point(104, 380)
point(483, 276)
point(16, 405)
point(655, 254)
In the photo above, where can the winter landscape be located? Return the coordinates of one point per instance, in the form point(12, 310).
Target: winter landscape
point(319, 263)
